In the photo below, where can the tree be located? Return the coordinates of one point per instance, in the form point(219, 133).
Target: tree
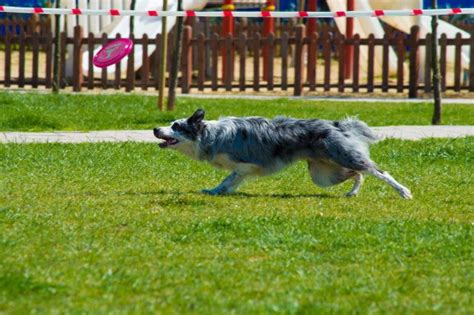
point(435, 67)
point(164, 51)
point(176, 61)
point(57, 45)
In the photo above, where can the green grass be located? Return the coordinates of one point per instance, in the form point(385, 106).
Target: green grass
point(44, 112)
point(121, 228)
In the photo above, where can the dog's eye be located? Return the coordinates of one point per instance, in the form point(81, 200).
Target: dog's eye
point(175, 127)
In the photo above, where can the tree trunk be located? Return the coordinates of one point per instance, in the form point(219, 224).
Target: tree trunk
point(435, 68)
point(176, 61)
point(57, 45)
point(164, 51)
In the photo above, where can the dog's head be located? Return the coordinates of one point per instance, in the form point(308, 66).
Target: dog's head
point(182, 132)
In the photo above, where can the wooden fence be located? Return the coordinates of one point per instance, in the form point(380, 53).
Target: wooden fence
point(293, 61)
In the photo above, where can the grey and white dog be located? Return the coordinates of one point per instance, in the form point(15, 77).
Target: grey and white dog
point(335, 150)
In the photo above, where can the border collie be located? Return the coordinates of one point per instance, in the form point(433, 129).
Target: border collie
point(334, 150)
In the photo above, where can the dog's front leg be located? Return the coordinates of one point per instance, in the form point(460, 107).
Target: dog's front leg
point(228, 185)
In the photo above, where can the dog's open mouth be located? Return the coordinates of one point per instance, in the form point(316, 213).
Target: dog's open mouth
point(168, 141)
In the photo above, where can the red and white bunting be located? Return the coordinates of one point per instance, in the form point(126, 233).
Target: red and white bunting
point(227, 13)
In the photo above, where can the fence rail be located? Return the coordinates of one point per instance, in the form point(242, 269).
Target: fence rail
point(290, 60)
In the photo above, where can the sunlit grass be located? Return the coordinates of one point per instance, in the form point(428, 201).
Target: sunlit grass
point(40, 112)
point(122, 228)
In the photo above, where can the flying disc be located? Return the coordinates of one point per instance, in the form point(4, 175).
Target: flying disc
point(113, 52)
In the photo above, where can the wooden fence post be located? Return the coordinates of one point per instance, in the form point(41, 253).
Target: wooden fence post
point(342, 50)
point(215, 60)
point(370, 63)
point(442, 60)
point(284, 60)
point(157, 67)
point(104, 73)
point(49, 60)
point(471, 64)
point(21, 63)
point(8, 56)
point(414, 62)
point(131, 68)
point(228, 61)
point(62, 61)
point(35, 68)
point(312, 60)
point(300, 30)
point(187, 63)
point(270, 41)
point(242, 56)
point(327, 60)
point(77, 59)
point(145, 75)
point(385, 61)
point(118, 71)
point(428, 58)
point(201, 52)
point(256, 62)
point(457, 62)
point(400, 61)
point(355, 71)
point(90, 61)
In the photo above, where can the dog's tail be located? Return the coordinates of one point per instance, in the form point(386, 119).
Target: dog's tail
point(358, 128)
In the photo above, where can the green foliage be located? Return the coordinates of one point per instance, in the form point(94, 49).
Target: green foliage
point(122, 228)
point(43, 112)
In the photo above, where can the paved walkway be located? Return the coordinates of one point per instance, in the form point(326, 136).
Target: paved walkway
point(464, 101)
point(399, 132)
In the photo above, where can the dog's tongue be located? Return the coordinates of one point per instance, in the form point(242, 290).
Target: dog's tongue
point(167, 142)
point(171, 141)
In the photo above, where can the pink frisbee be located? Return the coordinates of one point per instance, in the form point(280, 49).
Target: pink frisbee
point(113, 52)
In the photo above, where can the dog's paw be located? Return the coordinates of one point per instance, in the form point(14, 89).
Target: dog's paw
point(405, 193)
point(351, 194)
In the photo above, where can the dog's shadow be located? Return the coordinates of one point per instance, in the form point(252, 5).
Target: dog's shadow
point(242, 195)
point(183, 193)
point(278, 195)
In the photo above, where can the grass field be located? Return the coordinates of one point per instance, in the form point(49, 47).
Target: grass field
point(121, 228)
point(45, 112)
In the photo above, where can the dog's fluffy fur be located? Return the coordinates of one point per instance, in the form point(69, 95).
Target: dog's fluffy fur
point(334, 150)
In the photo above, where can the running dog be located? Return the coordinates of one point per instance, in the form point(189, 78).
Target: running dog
point(335, 150)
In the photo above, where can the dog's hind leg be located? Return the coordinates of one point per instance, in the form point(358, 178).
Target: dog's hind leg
point(358, 180)
point(228, 185)
point(402, 190)
point(355, 156)
point(325, 174)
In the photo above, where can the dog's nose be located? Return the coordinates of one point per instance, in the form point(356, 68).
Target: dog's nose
point(156, 131)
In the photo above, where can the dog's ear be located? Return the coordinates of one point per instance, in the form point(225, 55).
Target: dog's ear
point(197, 117)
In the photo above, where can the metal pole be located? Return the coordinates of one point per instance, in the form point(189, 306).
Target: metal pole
point(164, 49)
point(132, 18)
point(349, 49)
point(268, 27)
point(268, 24)
point(311, 25)
point(435, 68)
point(227, 28)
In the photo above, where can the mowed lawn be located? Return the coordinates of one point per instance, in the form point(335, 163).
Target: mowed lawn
point(46, 112)
point(122, 228)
